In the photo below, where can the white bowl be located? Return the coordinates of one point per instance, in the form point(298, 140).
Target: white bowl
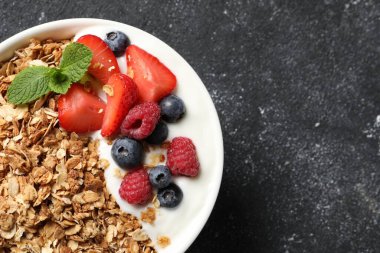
point(201, 124)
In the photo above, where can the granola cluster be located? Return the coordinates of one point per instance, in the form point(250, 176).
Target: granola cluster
point(53, 196)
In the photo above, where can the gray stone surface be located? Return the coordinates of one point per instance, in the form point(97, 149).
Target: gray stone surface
point(296, 85)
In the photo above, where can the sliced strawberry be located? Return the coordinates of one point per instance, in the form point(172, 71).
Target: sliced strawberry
point(80, 111)
point(104, 63)
point(153, 78)
point(122, 94)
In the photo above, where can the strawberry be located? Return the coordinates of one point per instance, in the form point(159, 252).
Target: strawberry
point(80, 111)
point(182, 157)
point(153, 78)
point(122, 94)
point(135, 187)
point(103, 64)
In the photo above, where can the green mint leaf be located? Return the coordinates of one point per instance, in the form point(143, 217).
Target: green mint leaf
point(29, 84)
point(36, 81)
point(76, 59)
point(59, 82)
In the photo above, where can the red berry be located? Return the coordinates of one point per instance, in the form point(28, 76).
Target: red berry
point(120, 100)
point(153, 78)
point(135, 187)
point(80, 111)
point(182, 157)
point(141, 120)
point(103, 64)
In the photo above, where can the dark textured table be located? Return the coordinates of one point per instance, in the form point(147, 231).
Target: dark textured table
point(297, 88)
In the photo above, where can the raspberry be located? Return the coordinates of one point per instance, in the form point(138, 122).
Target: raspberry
point(141, 120)
point(135, 187)
point(182, 157)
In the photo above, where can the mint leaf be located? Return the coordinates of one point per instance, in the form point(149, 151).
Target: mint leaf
point(58, 82)
point(29, 84)
point(76, 59)
point(36, 81)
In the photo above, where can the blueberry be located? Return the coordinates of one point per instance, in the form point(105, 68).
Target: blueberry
point(172, 108)
point(117, 42)
point(170, 196)
point(127, 153)
point(160, 176)
point(159, 134)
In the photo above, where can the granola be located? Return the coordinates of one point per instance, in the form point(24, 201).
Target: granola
point(53, 196)
point(149, 215)
point(163, 241)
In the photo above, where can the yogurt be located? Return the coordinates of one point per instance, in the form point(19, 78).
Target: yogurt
point(200, 124)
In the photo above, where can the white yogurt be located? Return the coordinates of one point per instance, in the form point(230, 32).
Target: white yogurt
point(200, 124)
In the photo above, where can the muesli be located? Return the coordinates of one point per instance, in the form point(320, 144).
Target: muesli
point(53, 196)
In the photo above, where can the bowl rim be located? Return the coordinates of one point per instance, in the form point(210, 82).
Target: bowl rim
point(9, 45)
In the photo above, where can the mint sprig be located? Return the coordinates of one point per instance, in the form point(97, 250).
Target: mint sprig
point(34, 82)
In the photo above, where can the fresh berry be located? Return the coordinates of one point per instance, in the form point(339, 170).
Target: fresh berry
point(159, 134)
point(170, 196)
point(103, 64)
point(141, 120)
point(182, 157)
point(122, 95)
point(153, 78)
point(172, 108)
point(135, 187)
point(160, 176)
point(80, 111)
point(127, 153)
point(117, 42)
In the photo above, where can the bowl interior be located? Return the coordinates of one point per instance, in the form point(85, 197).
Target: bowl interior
point(201, 124)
